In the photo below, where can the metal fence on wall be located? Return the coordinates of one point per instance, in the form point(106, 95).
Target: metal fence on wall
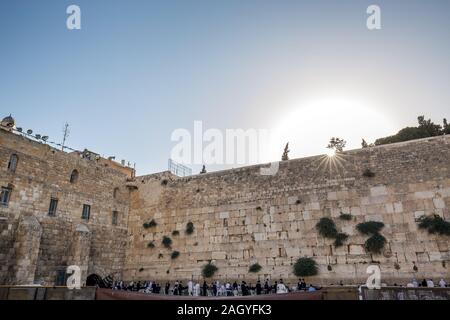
point(179, 169)
point(401, 293)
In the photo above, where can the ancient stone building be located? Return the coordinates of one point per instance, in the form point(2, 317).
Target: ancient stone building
point(239, 216)
point(56, 210)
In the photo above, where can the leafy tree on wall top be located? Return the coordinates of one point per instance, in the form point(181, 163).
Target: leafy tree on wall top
point(337, 144)
point(364, 144)
point(285, 156)
point(425, 129)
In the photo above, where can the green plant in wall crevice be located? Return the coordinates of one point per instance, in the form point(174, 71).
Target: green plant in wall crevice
point(150, 224)
point(305, 267)
point(189, 228)
point(370, 227)
point(327, 229)
point(340, 238)
point(435, 225)
point(209, 270)
point(255, 268)
point(166, 241)
point(345, 216)
point(376, 241)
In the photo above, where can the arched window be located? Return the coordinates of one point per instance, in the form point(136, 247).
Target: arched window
point(12, 164)
point(115, 193)
point(74, 176)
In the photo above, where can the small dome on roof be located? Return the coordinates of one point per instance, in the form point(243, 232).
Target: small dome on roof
point(8, 122)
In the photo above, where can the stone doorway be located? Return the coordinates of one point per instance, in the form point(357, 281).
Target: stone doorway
point(95, 280)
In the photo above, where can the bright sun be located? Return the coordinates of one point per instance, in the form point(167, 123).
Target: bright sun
point(331, 152)
point(310, 125)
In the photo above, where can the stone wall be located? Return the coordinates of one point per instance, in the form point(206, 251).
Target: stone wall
point(34, 245)
point(241, 217)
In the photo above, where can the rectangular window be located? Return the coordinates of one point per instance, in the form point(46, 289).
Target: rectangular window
point(53, 206)
point(61, 278)
point(115, 217)
point(86, 212)
point(5, 194)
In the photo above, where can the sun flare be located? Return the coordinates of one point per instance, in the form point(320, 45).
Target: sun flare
point(310, 125)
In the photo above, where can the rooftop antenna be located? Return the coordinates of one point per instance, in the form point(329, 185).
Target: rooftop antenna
point(66, 132)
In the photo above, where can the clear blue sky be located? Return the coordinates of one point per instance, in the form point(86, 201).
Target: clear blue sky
point(137, 70)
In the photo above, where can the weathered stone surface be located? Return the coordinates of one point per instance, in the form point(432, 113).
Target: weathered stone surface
point(34, 246)
point(240, 217)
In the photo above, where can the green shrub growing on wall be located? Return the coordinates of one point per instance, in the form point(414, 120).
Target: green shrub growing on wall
point(370, 227)
point(340, 238)
point(254, 268)
point(150, 224)
point(209, 270)
point(166, 241)
point(174, 255)
point(375, 243)
point(151, 244)
point(327, 228)
point(345, 216)
point(435, 225)
point(305, 267)
point(368, 173)
point(175, 233)
point(189, 228)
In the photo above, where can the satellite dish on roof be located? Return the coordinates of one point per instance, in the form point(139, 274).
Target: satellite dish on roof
point(45, 138)
point(8, 122)
point(37, 136)
point(19, 129)
point(29, 131)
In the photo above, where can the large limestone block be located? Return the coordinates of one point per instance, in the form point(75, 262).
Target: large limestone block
point(439, 203)
point(378, 191)
point(424, 194)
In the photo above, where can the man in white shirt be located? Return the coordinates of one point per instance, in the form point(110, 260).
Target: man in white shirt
point(281, 288)
point(190, 287)
point(430, 283)
point(197, 289)
point(228, 289)
point(442, 283)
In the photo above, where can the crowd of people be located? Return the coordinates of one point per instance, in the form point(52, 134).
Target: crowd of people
point(428, 283)
point(216, 288)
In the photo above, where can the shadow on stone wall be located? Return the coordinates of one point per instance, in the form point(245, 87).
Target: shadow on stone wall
point(46, 293)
